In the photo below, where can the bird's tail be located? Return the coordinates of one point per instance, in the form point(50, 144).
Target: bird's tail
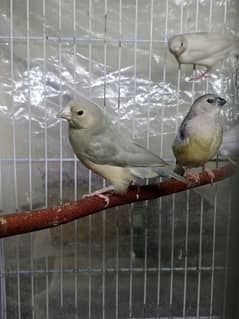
point(152, 172)
point(179, 178)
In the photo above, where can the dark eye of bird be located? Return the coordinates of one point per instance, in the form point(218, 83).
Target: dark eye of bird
point(210, 101)
point(181, 44)
point(80, 112)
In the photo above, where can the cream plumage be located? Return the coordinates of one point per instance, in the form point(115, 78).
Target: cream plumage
point(108, 150)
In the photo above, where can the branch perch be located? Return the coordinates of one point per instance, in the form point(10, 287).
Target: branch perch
point(28, 221)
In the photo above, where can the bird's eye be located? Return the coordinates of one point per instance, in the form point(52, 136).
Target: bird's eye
point(80, 112)
point(181, 44)
point(210, 101)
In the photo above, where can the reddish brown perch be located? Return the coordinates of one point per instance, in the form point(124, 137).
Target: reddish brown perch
point(28, 221)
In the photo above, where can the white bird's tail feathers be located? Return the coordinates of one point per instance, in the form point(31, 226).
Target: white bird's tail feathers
point(230, 143)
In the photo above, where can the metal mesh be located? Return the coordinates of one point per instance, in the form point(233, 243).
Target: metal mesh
point(160, 259)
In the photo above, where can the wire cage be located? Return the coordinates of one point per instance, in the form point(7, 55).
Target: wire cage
point(165, 258)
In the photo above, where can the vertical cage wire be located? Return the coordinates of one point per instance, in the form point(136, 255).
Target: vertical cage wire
point(229, 208)
point(117, 269)
point(131, 216)
point(76, 255)
point(2, 281)
point(162, 155)
point(201, 203)
point(185, 281)
point(213, 256)
point(200, 259)
point(30, 153)
point(117, 210)
point(2, 259)
point(104, 182)
point(44, 53)
point(61, 252)
point(14, 161)
point(90, 173)
point(146, 232)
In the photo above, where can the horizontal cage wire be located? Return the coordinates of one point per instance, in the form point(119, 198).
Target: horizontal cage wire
point(162, 258)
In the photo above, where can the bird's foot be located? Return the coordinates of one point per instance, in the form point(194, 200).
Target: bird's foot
point(105, 198)
point(200, 76)
point(192, 178)
point(100, 193)
point(210, 174)
point(179, 170)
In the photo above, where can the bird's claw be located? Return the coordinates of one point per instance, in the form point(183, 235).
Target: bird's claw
point(200, 76)
point(105, 198)
point(100, 193)
point(192, 178)
point(210, 174)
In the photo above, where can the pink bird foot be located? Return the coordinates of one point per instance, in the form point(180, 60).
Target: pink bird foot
point(192, 178)
point(105, 198)
point(200, 76)
point(210, 174)
point(100, 193)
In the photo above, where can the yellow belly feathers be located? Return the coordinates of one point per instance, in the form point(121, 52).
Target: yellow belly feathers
point(193, 152)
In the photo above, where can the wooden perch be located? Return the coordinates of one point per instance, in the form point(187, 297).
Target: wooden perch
point(28, 221)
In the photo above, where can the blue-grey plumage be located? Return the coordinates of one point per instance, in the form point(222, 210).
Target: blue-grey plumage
point(107, 150)
point(200, 134)
point(202, 48)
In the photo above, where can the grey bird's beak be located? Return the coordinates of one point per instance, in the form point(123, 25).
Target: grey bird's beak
point(65, 114)
point(178, 51)
point(220, 101)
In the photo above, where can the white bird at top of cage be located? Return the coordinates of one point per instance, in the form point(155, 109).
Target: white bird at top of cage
point(202, 48)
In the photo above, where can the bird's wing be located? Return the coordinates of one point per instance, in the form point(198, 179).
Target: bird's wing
point(114, 148)
point(141, 162)
point(117, 149)
point(111, 153)
point(203, 45)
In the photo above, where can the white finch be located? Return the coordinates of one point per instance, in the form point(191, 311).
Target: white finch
point(202, 48)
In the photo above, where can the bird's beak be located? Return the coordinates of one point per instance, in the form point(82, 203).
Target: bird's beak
point(178, 51)
point(220, 101)
point(65, 114)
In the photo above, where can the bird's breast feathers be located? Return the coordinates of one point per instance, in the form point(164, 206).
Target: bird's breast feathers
point(200, 144)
